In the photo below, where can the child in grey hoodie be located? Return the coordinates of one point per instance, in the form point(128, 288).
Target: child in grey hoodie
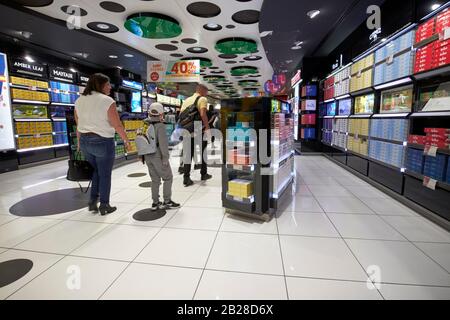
point(158, 163)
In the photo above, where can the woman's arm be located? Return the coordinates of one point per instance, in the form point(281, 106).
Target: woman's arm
point(114, 120)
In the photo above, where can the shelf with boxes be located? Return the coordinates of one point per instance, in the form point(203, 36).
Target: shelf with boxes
point(254, 183)
point(394, 60)
point(362, 73)
point(308, 111)
point(432, 43)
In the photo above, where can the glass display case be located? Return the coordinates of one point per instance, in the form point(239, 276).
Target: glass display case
point(365, 104)
point(397, 100)
point(434, 97)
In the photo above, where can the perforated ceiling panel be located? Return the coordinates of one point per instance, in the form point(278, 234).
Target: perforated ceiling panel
point(198, 21)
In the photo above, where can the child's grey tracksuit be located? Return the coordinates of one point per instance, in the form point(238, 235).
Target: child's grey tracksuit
point(155, 162)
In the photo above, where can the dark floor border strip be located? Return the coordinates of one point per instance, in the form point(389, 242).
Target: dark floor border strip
point(433, 217)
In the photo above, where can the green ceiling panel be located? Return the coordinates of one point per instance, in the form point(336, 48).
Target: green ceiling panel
point(242, 71)
point(236, 46)
point(153, 26)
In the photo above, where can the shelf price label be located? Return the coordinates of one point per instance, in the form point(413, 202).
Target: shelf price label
point(430, 151)
point(429, 183)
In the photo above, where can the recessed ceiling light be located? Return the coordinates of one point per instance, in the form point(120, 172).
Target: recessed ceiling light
point(296, 48)
point(29, 59)
point(26, 34)
point(128, 55)
point(119, 67)
point(383, 40)
point(265, 34)
point(73, 70)
point(113, 56)
point(102, 26)
point(197, 49)
point(435, 6)
point(312, 14)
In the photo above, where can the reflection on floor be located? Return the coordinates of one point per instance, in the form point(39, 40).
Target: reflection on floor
point(337, 233)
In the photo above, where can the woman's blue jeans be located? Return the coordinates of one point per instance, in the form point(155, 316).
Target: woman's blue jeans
point(100, 153)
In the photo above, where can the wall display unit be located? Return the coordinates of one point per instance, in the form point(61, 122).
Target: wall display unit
point(252, 185)
point(308, 113)
point(39, 106)
point(399, 129)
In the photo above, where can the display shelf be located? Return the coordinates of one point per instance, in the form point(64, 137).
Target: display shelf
point(62, 104)
point(361, 92)
point(43, 147)
point(430, 114)
point(242, 200)
point(391, 115)
point(395, 83)
point(427, 41)
point(32, 120)
point(36, 135)
point(342, 117)
point(358, 136)
point(59, 119)
point(432, 73)
point(361, 116)
point(246, 168)
point(29, 88)
point(30, 101)
point(329, 117)
point(422, 147)
point(403, 143)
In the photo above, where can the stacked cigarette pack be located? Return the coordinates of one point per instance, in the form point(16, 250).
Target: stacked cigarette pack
point(395, 59)
point(361, 73)
point(414, 160)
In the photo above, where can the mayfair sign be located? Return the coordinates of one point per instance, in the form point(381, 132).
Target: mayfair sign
point(62, 75)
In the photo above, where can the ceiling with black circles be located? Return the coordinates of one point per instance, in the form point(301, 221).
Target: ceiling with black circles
point(223, 33)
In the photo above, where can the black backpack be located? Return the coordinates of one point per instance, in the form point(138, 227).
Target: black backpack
point(189, 116)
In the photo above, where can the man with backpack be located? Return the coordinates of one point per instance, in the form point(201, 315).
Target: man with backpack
point(194, 109)
point(153, 145)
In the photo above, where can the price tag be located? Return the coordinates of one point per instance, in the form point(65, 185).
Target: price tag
point(359, 74)
point(356, 136)
point(390, 59)
point(38, 136)
point(238, 167)
point(430, 151)
point(429, 183)
point(447, 33)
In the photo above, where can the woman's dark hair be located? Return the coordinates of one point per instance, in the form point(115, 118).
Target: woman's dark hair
point(96, 83)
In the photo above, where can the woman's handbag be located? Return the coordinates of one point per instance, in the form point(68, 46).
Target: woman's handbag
point(80, 170)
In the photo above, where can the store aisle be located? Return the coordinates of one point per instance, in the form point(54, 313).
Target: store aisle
point(336, 232)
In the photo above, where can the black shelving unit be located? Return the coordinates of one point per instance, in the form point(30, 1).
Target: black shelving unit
point(268, 191)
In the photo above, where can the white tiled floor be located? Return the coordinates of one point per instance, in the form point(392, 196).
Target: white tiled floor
point(324, 244)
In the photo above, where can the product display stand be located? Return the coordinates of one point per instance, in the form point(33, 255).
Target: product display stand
point(249, 186)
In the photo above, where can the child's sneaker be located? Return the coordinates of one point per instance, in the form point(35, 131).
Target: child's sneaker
point(156, 206)
point(171, 205)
